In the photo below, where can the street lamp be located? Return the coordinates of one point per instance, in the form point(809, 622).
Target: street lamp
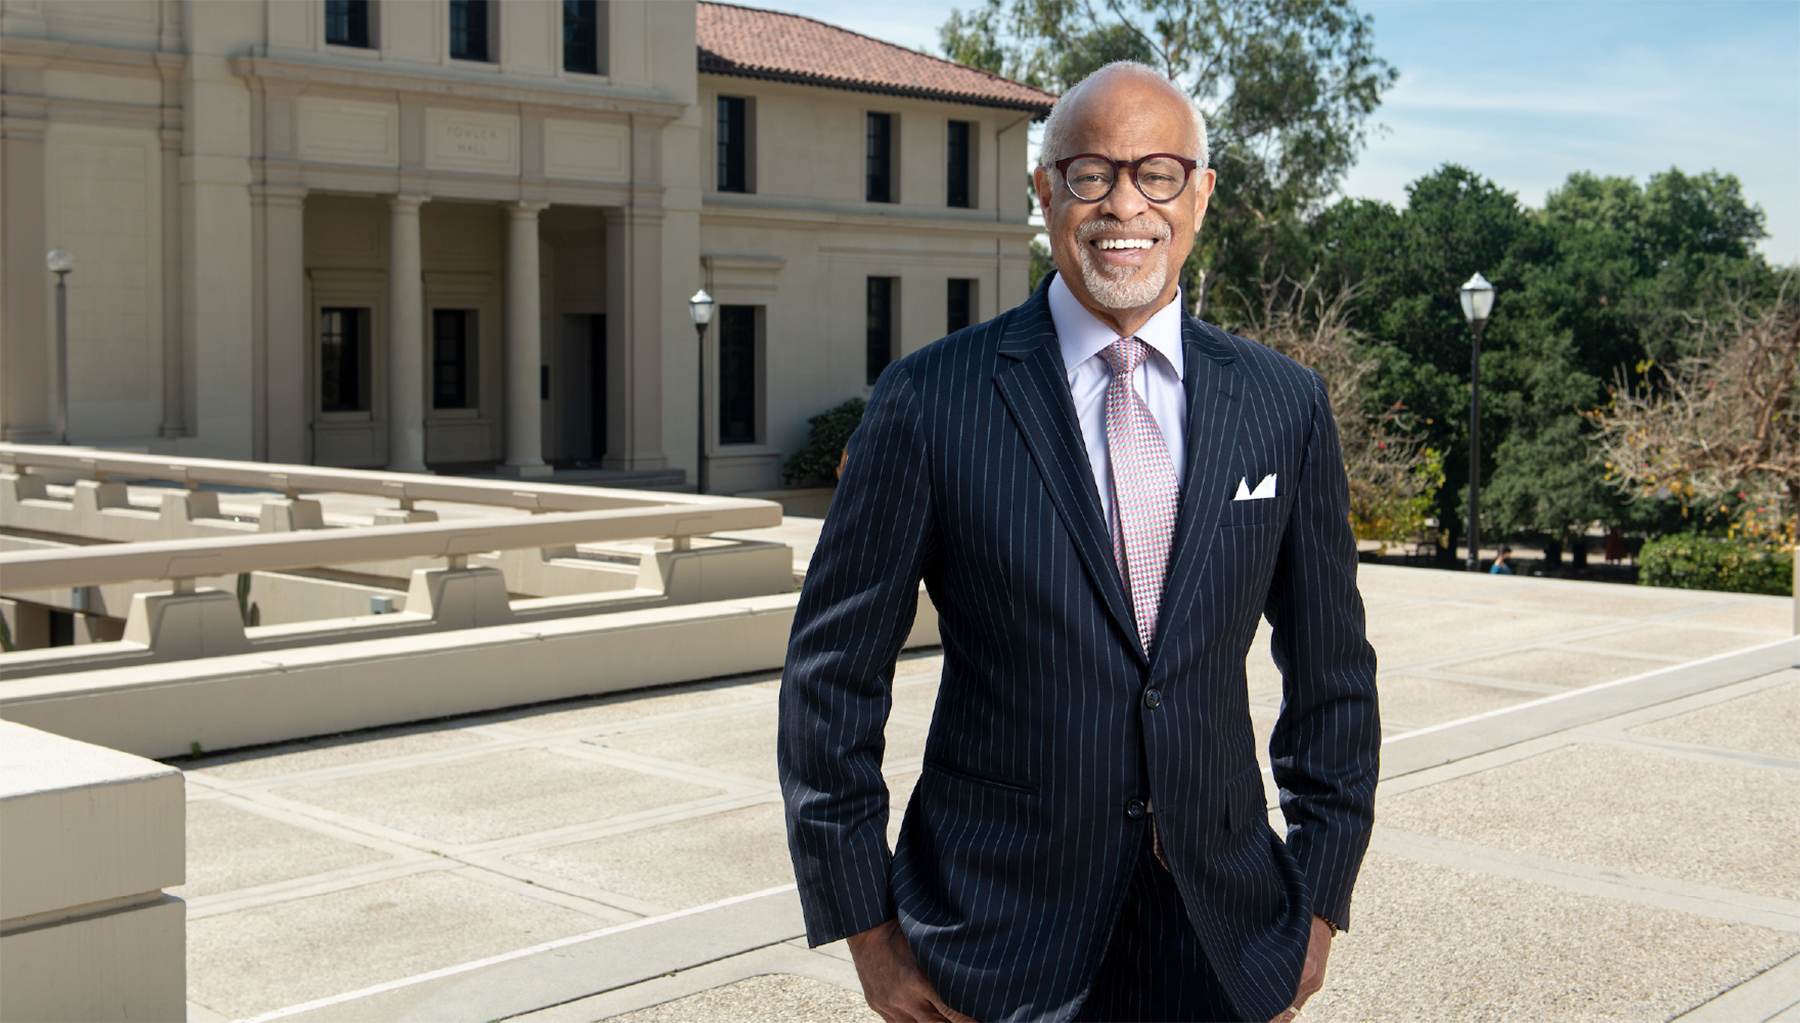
point(700, 307)
point(1477, 303)
point(60, 262)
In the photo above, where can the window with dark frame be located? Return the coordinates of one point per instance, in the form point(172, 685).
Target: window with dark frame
point(957, 176)
point(881, 326)
point(469, 29)
point(581, 36)
point(881, 158)
point(347, 22)
point(453, 358)
point(734, 144)
point(961, 304)
point(737, 374)
point(344, 359)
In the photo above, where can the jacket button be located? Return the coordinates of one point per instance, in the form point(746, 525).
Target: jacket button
point(1152, 698)
point(1135, 809)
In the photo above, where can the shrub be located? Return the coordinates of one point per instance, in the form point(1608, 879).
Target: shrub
point(831, 430)
point(1711, 563)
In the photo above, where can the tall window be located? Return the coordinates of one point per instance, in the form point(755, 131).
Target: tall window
point(344, 360)
point(469, 29)
point(881, 158)
point(347, 22)
point(453, 358)
point(957, 174)
point(961, 304)
point(734, 144)
point(881, 325)
point(581, 36)
point(737, 374)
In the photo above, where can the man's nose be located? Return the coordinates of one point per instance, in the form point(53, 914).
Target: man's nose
point(1124, 202)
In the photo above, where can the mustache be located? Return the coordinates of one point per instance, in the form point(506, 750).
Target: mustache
point(1159, 229)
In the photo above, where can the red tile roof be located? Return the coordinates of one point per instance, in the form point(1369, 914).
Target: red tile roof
point(752, 43)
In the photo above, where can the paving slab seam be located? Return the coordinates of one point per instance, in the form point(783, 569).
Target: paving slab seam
point(673, 813)
point(1438, 744)
point(451, 850)
point(1697, 701)
point(313, 885)
point(1723, 904)
point(1689, 750)
point(518, 886)
point(1772, 996)
point(285, 813)
point(1488, 681)
point(778, 958)
point(553, 882)
point(518, 954)
point(1478, 763)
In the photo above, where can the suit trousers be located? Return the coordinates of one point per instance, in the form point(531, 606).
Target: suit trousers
point(1154, 967)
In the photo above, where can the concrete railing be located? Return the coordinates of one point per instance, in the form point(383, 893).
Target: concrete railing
point(185, 560)
point(294, 480)
point(89, 838)
point(93, 549)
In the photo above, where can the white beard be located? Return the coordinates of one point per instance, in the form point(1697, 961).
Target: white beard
point(1124, 287)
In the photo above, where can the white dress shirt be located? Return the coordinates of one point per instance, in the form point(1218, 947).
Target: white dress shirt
point(1083, 337)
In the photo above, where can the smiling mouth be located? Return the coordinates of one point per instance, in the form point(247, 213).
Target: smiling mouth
point(1124, 243)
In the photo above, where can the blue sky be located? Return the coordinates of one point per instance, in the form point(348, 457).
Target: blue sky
point(1527, 91)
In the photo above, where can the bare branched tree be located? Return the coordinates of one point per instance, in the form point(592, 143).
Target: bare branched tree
point(1393, 475)
point(1720, 426)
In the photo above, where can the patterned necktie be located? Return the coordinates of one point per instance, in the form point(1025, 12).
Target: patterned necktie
point(1144, 487)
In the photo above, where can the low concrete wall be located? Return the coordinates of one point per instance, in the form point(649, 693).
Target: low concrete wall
point(89, 838)
point(161, 710)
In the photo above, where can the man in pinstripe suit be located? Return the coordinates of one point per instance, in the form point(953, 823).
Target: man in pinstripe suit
point(1103, 497)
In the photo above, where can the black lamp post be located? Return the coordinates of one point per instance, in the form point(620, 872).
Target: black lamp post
point(700, 307)
point(1477, 303)
point(60, 263)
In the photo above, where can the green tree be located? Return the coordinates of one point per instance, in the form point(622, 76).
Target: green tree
point(1606, 275)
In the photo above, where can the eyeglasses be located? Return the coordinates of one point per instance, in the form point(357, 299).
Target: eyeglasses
point(1159, 176)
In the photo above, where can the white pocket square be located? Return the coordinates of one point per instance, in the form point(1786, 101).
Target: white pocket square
point(1263, 492)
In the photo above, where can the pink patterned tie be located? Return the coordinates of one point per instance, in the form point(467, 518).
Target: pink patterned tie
point(1144, 487)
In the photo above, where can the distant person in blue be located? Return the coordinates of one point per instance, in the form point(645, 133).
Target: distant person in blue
point(1105, 497)
point(1502, 562)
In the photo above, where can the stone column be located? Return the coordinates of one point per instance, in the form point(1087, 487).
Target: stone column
point(524, 344)
point(634, 339)
point(25, 316)
point(282, 322)
point(406, 337)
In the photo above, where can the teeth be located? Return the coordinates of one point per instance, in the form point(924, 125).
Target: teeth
point(1126, 243)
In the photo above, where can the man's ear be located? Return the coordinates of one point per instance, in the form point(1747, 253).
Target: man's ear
point(1040, 179)
point(1203, 189)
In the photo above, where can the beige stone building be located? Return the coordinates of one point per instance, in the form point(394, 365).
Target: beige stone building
point(462, 234)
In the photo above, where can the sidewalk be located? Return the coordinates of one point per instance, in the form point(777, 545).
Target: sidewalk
point(1614, 852)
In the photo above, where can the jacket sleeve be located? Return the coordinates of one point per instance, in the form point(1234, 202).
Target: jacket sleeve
point(1327, 742)
point(856, 609)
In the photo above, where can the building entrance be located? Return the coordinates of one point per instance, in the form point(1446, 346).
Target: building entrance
point(584, 388)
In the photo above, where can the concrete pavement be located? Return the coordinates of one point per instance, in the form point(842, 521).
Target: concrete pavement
point(1614, 840)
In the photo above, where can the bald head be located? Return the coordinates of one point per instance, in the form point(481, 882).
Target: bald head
point(1120, 80)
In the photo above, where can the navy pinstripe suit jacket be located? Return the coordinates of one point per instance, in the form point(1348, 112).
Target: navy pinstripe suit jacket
point(969, 472)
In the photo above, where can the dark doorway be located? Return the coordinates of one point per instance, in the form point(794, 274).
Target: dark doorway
point(584, 388)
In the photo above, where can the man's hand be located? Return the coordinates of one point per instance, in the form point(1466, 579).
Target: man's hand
point(892, 981)
point(1312, 976)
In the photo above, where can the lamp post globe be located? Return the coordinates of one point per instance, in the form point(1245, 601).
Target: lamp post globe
point(1477, 297)
point(700, 310)
point(60, 262)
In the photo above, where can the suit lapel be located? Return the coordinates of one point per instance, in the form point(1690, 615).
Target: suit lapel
point(1034, 383)
point(1213, 422)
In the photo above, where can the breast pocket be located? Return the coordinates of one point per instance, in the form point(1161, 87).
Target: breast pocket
point(1245, 513)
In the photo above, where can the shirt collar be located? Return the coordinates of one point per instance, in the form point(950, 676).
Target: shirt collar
point(1082, 335)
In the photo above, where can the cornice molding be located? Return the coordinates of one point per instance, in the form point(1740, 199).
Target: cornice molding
point(439, 86)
